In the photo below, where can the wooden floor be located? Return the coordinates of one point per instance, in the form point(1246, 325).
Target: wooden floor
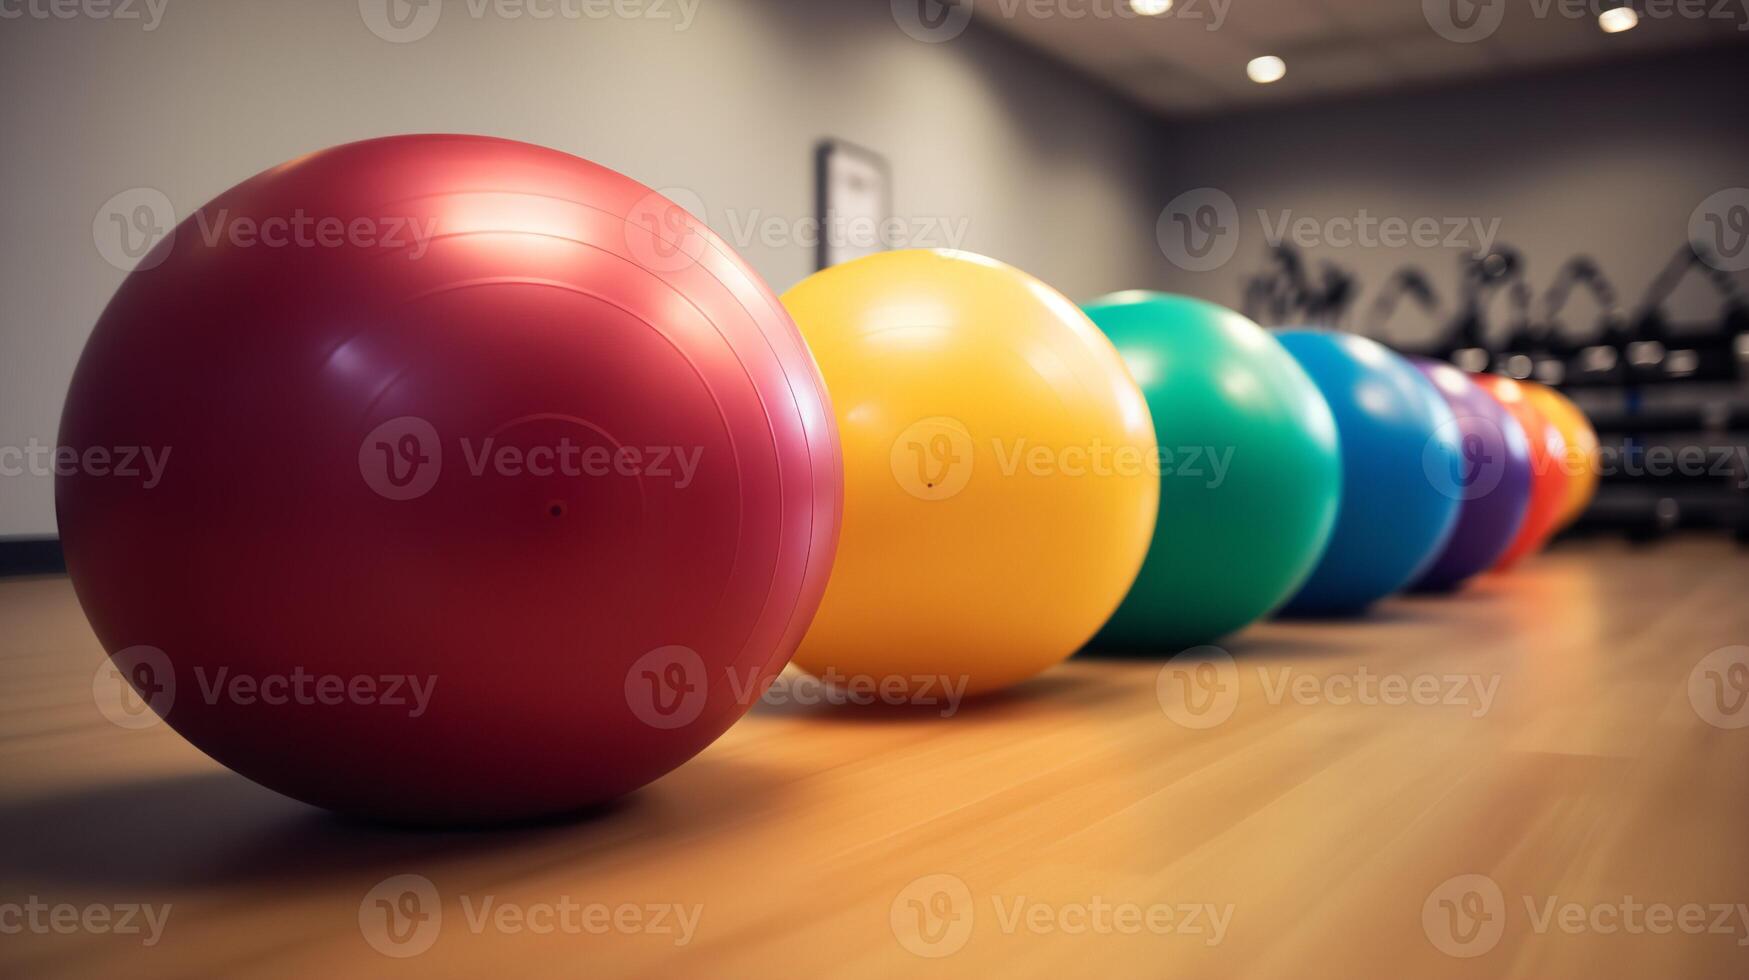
point(1095, 821)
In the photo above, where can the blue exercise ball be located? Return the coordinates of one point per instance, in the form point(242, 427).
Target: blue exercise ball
point(1394, 429)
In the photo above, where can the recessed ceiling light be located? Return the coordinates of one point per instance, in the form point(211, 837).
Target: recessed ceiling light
point(1266, 69)
point(1618, 19)
point(1150, 8)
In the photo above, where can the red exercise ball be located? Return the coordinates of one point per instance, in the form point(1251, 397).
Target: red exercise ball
point(1548, 479)
point(493, 485)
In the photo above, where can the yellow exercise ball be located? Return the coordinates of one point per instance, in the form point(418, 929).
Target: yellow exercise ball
point(1581, 459)
point(1000, 473)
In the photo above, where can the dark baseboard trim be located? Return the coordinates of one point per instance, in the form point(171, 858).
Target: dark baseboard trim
point(31, 556)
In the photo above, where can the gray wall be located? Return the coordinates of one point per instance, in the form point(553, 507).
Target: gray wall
point(1610, 160)
point(1036, 164)
point(1046, 170)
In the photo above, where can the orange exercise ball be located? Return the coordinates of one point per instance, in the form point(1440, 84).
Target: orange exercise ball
point(1548, 477)
point(1581, 459)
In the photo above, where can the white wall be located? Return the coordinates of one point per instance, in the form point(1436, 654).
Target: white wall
point(1046, 170)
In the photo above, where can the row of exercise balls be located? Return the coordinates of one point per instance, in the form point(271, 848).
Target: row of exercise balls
point(1346, 472)
point(320, 515)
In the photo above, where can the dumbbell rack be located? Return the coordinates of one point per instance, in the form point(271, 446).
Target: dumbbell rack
point(1669, 400)
point(1656, 391)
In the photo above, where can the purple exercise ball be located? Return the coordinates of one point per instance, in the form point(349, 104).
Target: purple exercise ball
point(1492, 482)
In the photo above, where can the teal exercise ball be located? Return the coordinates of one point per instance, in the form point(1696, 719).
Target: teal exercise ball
point(1250, 472)
point(1400, 445)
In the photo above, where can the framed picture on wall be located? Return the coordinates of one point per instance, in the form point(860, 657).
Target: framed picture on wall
point(853, 199)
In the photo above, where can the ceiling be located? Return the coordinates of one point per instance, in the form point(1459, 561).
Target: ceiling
point(1176, 64)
